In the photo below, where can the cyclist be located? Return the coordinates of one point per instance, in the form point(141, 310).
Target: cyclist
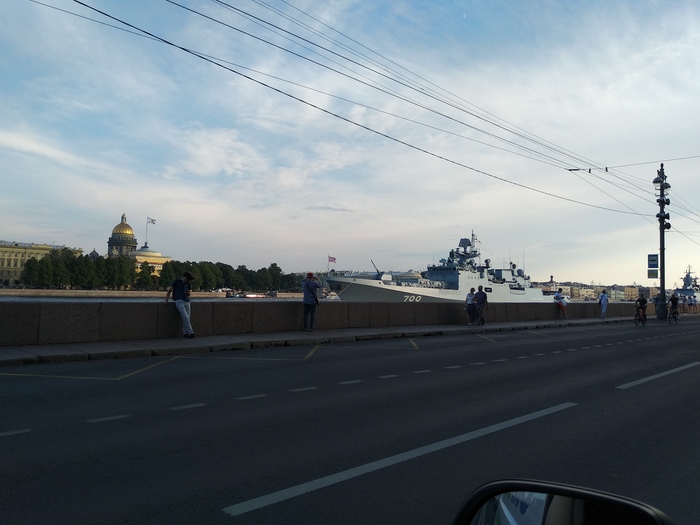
point(641, 304)
point(673, 303)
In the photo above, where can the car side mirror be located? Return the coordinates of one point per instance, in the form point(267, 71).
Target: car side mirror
point(526, 502)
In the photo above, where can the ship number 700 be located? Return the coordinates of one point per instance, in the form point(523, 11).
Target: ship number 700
point(412, 298)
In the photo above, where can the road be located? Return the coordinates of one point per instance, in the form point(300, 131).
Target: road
point(383, 431)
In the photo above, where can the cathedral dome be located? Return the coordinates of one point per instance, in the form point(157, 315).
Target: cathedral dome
point(123, 228)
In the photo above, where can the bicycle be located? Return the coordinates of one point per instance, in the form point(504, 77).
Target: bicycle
point(639, 318)
point(673, 316)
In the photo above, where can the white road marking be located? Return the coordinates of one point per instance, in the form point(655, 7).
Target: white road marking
point(657, 376)
point(304, 389)
point(452, 367)
point(15, 432)
point(110, 418)
point(185, 407)
point(421, 371)
point(350, 382)
point(327, 481)
point(389, 376)
point(256, 396)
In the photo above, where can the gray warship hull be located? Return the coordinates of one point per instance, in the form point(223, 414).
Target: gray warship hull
point(448, 281)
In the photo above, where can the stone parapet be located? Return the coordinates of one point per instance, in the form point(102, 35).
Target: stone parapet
point(53, 322)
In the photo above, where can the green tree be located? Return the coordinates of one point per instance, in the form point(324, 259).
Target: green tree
point(61, 275)
point(83, 273)
point(144, 279)
point(31, 273)
point(111, 271)
point(291, 281)
point(264, 279)
point(126, 272)
point(207, 276)
point(167, 274)
point(275, 276)
point(100, 265)
point(45, 272)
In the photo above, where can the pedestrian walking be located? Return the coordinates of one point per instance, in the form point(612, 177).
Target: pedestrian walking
point(561, 302)
point(471, 306)
point(482, 303)
point(603, 302)
point(180, 289)
point(310, 287)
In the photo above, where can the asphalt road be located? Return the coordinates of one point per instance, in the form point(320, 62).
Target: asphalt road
point(382, 431)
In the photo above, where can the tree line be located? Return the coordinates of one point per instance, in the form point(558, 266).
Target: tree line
point(63, 269)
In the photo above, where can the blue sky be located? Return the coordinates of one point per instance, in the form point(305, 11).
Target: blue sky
point(391, 160)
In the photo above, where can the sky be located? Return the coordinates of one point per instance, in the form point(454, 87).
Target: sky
point(285, 132)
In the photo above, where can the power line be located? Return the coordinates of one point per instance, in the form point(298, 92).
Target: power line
point(394, 139)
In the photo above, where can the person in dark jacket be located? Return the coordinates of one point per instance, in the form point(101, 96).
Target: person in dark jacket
point(310, 287)
point(180, 290)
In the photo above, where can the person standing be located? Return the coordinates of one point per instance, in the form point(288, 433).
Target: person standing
point(310, 287)
point(561, 302)
point(482, 303)
point(471, 306)
point(181, 290)
point(603, 302)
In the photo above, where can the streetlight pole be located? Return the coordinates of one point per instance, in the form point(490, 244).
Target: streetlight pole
point(661, 185)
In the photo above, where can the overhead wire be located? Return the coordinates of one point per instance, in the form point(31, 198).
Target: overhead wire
point(553, 163)
point(399, 141)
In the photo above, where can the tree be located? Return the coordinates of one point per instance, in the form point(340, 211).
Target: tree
point(45, 272)
point(61, 275)
point(31, 273)
point(144, 279)
point(100, 265)
point(207, 279)
point(111, 270)
point(84, 274)
point(167, 274)
point(276, 276)
point(264, 279)
point(126, 272)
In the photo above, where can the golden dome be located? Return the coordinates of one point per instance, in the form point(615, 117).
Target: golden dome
point(123, 228)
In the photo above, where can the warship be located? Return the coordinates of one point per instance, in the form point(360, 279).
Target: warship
point(448, 281)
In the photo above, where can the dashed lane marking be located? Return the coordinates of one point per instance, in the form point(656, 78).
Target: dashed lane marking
point(313, 350)
point(110, 418)
point(303, 389)
point(185, 407)
point(415, 346)
point(421, 371)
point(390, 376)
point(484, 337)
point(351, 382)
point(255, 396)
point(15, 432)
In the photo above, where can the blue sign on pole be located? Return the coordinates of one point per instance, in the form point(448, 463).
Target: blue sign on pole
point(653, 260)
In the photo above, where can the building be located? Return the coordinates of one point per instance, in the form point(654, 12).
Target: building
point(122, 241)
point(14, 255)
point(153, 258)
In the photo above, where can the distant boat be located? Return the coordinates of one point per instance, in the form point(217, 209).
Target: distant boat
point(447, 281)
point(690, 285)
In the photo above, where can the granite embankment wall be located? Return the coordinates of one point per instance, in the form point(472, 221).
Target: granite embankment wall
point(55, 322)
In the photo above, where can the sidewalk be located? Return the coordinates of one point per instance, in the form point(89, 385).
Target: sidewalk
point(59, 353)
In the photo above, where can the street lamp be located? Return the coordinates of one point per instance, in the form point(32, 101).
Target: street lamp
point(661, 186)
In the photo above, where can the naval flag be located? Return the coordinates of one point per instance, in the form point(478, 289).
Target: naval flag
point(149, 220)
point(331, 259)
